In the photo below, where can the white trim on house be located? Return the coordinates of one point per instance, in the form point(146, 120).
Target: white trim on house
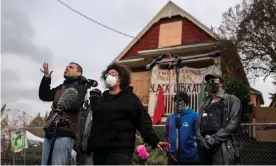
point(169, 10)
point(175, 48)
point(128, 61)
point(131, 60)
point(141, 61)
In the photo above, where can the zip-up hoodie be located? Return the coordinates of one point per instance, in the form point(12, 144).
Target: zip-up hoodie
point(115, 121)
point(188, 146)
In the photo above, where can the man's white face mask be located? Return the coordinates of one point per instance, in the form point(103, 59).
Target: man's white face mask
point(110, 81)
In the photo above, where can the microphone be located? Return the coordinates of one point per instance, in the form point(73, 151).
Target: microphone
point(95, 95)
point(92, 83)
point(68, 98)
point(89, 82)
point(153, 63)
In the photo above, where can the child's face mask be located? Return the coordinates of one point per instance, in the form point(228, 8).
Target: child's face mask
point(182, 105)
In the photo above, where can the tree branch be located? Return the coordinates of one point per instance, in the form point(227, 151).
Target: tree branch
point(251, 26)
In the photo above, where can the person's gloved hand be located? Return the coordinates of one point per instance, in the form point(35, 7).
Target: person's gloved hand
point(211, 141)
point(203, 145)
point(206, 147)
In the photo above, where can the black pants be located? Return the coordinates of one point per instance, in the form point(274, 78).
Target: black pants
point(84, 159)
point(111, 159)
point(212, 158)
point(173, 162)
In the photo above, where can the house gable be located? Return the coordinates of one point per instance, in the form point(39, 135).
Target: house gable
point(192, 31)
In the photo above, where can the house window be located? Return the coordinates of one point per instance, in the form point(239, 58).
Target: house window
point(170, 34)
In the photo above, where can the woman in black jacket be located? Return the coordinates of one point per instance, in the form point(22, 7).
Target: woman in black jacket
point(116, 118)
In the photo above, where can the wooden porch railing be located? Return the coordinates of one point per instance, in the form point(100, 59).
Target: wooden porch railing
point(169, 104)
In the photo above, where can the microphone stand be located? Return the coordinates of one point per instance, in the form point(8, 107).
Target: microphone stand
point(53, 140)
point(59, 122)
point(176, 65)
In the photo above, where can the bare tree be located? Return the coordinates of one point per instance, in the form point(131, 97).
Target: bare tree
point(10, 120)
point(273, 95)
point(251, 26)
point(37, 121)
point(3, 109)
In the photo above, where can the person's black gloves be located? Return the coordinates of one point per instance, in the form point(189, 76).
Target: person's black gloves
point(211, 141)
point(206, 147)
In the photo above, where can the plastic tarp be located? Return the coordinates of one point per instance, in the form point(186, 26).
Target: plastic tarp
point(34, 138)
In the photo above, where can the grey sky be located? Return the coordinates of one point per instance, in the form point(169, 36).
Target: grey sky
point(34, 32)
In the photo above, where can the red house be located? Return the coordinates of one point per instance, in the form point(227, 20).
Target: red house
point(176, 32)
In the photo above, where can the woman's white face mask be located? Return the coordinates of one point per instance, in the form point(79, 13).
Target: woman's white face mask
point(110, 81)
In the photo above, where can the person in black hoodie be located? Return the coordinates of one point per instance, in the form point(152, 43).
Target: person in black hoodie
point(117, 116)
point(65, 136)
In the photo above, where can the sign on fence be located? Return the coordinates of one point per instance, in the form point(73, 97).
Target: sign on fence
point(19, 140)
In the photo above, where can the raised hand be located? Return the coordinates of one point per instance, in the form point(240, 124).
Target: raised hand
point(45, 70)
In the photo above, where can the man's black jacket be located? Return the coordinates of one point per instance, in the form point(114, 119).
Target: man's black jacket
point(48, 94)
point(115, 121)
point(225, 137)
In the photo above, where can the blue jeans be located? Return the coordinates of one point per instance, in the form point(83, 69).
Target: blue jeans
point(61, 153)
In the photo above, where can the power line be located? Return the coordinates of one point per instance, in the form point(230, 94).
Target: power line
point(105, 26)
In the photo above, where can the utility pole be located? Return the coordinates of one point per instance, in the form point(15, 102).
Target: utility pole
point(25, 135)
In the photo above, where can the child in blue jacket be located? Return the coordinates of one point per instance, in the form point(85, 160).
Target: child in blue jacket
point(188, 146)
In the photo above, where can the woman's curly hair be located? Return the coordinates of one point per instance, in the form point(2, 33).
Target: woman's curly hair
point(123, 73)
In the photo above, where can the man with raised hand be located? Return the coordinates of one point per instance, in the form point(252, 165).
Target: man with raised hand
point(65, 136)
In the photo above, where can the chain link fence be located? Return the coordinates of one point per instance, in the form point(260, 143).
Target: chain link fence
point(32, 156)
point(257, 145)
